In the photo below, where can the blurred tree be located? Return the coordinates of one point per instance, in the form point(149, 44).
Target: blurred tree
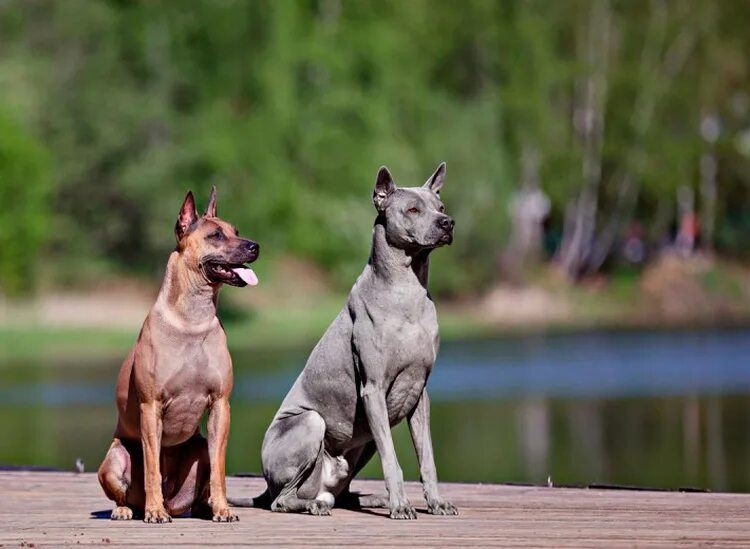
point(24, 194)
point(290, 107)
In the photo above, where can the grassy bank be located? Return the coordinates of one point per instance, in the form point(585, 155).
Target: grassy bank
point(286, 314)
point(267, 330)
point(261, 329)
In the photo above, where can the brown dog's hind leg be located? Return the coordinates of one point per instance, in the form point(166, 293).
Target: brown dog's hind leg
point(116, 475)
point(200, 507)
point(185, 472)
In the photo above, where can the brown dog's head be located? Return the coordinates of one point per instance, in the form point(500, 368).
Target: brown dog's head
point(213, 247)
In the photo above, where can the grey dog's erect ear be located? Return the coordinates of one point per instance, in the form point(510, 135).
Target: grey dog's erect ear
point(384, 186)
point(188, 215)
point(211, 208)
point(435, 182)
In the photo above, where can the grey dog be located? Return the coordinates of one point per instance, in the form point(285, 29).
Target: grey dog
point(367, 373)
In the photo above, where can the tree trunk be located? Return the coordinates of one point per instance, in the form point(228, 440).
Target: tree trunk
point(657, 74)
point(588, 122)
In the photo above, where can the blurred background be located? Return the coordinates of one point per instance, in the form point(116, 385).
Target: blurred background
point(594, 307)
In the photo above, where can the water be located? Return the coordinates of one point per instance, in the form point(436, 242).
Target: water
point(654, 409)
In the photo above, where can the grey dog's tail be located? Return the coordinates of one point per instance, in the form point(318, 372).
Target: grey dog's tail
point(262, 501)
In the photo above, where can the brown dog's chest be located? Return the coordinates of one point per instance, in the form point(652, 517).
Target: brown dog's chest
point(198, 374)
point(187, 393)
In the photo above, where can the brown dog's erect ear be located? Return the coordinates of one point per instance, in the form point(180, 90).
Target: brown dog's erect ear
point(384, 186)
point(188, 216)
point(435, 182)
point(211, 208)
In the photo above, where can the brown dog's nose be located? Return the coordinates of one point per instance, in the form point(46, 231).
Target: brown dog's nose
point(252, 247)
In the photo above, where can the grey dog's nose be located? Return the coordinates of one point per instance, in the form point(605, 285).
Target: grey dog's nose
point(446, 223)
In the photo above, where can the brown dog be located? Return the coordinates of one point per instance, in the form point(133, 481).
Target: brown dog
point(159, 463)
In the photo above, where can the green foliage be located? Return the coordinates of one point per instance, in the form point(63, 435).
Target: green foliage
point(290, 107)
point(24, 195)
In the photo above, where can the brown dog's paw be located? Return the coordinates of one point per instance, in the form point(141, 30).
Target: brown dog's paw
point(224, 515)
point(122, 513)
point(403, 512)
point(156, 516)
point(441, 508)
point(319, 508)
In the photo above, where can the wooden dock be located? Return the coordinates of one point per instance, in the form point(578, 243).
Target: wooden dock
point(56, 509)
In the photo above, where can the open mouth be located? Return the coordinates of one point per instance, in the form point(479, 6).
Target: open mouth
point(234, 275)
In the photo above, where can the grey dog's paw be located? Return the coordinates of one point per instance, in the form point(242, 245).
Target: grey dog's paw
point(319, 508)
point(403, 512)
point(122, 513)
point(441, 508)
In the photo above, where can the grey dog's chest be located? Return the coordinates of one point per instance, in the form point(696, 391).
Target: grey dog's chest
point(411, 357)
point(412, 339)
point(407, 331)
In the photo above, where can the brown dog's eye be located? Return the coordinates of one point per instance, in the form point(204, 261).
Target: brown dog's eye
point(413, 210)
point(218, 235)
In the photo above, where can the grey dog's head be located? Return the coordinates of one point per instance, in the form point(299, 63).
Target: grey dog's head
point(414, 217)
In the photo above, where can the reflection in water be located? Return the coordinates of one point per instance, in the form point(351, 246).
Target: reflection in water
point(716, 468)
point(657, 409)
point(533, 428)
point(586, 425)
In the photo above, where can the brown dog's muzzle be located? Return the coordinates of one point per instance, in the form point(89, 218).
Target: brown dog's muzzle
point(230, 268)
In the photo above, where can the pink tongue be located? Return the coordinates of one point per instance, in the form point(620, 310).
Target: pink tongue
point(247, 275)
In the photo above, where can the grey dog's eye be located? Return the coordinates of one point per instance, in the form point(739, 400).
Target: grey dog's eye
point(441, 209)
point(413, 210)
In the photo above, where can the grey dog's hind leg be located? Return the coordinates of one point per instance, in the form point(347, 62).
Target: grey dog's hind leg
point(262, 501)
point(354, 500)
point(292, 463)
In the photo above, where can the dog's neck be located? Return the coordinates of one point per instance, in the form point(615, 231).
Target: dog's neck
point(187, 300)
point(390, 263)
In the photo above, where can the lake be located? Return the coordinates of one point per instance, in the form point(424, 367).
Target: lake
point(647, 408)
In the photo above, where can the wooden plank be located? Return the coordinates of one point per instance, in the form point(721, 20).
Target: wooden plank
point(55, 509)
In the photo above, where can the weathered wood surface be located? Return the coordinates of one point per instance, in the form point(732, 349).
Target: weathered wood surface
point(57, 509)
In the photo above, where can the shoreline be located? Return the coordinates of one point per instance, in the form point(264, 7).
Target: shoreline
point(30, 342)
point(674, 294)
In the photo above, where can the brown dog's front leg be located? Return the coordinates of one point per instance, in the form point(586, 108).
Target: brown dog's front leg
point(218, 433)
point(151, 426)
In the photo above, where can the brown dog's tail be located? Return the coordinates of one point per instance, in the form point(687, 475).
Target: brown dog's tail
point(262, 501)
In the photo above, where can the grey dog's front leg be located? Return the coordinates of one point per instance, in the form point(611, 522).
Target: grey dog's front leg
point(419, 426)
point(373, 398)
